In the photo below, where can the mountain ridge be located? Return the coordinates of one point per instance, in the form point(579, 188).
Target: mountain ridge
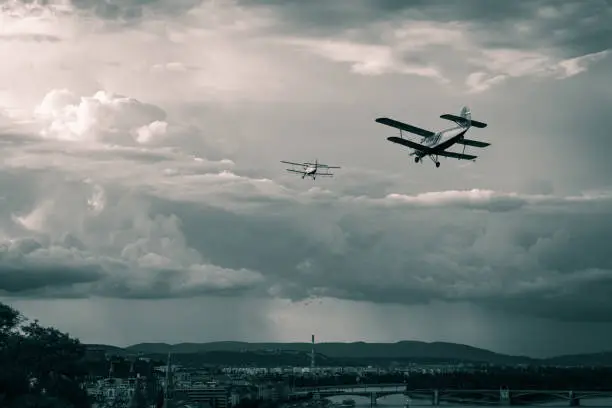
point(400, 350)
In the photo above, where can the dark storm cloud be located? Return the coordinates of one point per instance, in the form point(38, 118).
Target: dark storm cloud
point(344, 14)
point(21, 272)
point(537, 263)
point(529, 254)
point(19, 280)
point(536, 255)
point(163, 286)
point(221, 236)
point(29, 267)
point(576, 27)
point(50, 255)
point(571, 302)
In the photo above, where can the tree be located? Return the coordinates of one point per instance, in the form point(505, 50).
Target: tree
point(41, 366)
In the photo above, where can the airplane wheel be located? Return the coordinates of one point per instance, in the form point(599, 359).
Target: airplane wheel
point(416, 159)
point(437, 164)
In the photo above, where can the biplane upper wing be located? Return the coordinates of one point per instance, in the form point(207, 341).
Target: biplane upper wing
point(409, 143)
point(406, 127)
point(295, 164)
point(454, 155)
point(474, 143)
point(459, 119)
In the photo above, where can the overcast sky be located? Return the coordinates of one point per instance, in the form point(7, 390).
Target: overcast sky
point(142, 198)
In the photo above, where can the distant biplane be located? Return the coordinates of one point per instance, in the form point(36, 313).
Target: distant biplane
point(434, 144)
point(311, 169)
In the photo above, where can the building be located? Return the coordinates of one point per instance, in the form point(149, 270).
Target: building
point(216, 397)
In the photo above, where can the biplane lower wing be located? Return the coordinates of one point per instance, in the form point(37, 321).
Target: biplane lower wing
point(454, 155)
point(306, 174)
point(410, 144)
point(459, 119)
point(405, 127)
point(427, 150)
point(474, 143)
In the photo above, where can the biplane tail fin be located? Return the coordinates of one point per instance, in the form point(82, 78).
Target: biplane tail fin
point(466, 114)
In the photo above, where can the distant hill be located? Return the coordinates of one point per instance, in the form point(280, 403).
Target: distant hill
point(345, 353)
point(358, 350)
point(594, 359)
point(108, 349)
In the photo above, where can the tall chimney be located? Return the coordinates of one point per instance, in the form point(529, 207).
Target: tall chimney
point(312, 355)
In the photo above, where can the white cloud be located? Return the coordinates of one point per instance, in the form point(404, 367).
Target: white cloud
point(152, 131)
point(490, 200)
point(502, 64)
point(399, 50)
point(478, 81)
point(367, 59)
point(575, 66)
point(435, 50)
point(102, 117)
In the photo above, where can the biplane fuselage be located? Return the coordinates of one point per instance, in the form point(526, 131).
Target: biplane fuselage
point(311, 169)
point(435, 144)
point(445, 138)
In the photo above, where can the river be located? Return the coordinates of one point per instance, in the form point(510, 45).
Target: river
point(398, 401)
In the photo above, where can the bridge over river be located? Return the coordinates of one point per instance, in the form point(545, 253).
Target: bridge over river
point(502, 396)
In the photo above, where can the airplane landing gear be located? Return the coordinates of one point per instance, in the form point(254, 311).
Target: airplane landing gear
point(433, 158)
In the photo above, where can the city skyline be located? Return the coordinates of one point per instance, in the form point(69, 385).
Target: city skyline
point(143, 198)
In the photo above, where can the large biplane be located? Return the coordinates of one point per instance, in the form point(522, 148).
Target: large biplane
point(435, 144)
point(311, 169)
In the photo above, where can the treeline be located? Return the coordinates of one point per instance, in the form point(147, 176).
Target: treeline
point(235, 358)
point(302, 359)
point(287, 358)
point(595, 379)
point(40, 366)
